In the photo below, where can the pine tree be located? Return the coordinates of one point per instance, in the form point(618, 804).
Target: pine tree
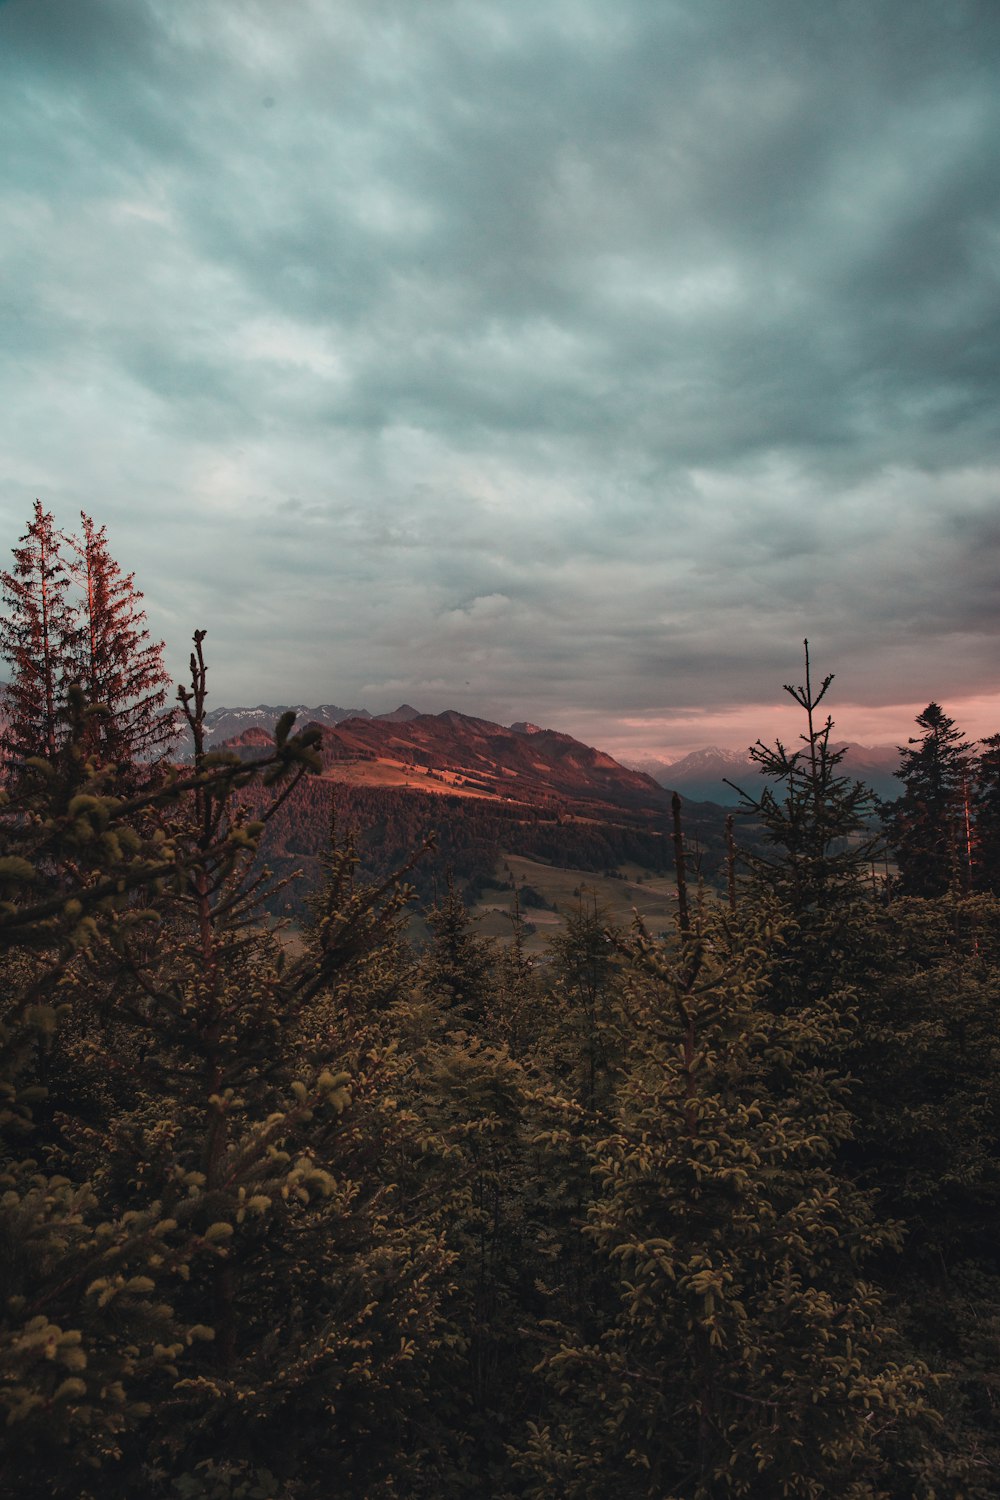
point(913, 984)
point(925, 1059)
point(116, 663)
point(927, 826)
point(53, 639)
point(37, 637)
point(819, 826)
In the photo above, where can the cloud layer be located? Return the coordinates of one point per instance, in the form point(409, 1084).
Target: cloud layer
point(563, 361)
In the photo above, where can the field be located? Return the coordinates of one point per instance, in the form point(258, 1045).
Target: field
point(633, 890)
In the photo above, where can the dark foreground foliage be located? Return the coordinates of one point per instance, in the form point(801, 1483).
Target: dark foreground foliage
point(712, 1216)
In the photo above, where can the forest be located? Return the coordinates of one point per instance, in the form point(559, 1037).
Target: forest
point(706, 1214)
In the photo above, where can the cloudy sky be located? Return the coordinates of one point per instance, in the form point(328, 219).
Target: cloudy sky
point(559, 359)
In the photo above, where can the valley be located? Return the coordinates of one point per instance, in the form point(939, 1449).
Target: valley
point(507, 807)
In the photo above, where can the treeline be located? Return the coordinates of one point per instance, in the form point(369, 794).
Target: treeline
point(716, 1215)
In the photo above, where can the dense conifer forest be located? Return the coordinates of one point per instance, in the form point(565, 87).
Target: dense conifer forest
point(709, 1214)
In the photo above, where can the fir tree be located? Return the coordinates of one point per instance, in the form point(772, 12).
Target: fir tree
point(927, 826)
point(116, 663)
point(37, 636)
point(201, 1166)
point(986, 813)
point(513, 1019)
point(456, 966)
point(817, 820)
point(748, 1356)
point(585, 1025)
point(925, 1060)
point(817, 827)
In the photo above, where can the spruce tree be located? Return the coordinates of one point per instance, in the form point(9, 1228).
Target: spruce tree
point(749, 1355)
point(986, 813)
point(820, 832)
point(514, 1012)
point(456, 967)
point(585, 1024)
point(94, 635)
point(817, 821)
point(913, 984)
point(927, 827)
point(213, 1285)
point(37, 637)
point(116, 662)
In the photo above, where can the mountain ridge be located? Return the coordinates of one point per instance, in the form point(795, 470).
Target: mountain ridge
point(473, 757)
point(702, 775)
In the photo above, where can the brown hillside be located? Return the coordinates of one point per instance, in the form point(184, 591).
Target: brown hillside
point(467, 757)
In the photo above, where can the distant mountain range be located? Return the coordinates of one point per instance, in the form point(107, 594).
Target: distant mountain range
point(458, 754)
point(225, 723)
point(703, 775)
point(478, 757)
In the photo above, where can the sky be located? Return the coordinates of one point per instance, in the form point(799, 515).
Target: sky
point(568, 360)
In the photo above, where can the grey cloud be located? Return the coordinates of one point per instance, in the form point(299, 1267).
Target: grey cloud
point(674, 327)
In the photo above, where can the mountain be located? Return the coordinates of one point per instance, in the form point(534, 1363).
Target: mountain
point(401, 715)
point(487, 792)
point(703, 774)
point(458, 753)
point(226, 723)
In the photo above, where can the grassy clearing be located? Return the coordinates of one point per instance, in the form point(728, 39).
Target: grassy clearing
point(400, 775)
point(635, 889)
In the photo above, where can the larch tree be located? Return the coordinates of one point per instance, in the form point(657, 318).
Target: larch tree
point(37, 636)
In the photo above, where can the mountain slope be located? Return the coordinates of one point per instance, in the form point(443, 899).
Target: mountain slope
point(479, 758)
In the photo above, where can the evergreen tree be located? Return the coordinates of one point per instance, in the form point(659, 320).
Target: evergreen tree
point(986, 813)
point(201, 1166)
point(925, 1059)
point(817, 830)
point(914, 987)
point(456, 966)
point(817, 820)
point(748, 1356)
point(37, 637)
point(116, 663)
point(53, 638)
point(514, 1012)
point(585, 1019)
point(928, 826)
